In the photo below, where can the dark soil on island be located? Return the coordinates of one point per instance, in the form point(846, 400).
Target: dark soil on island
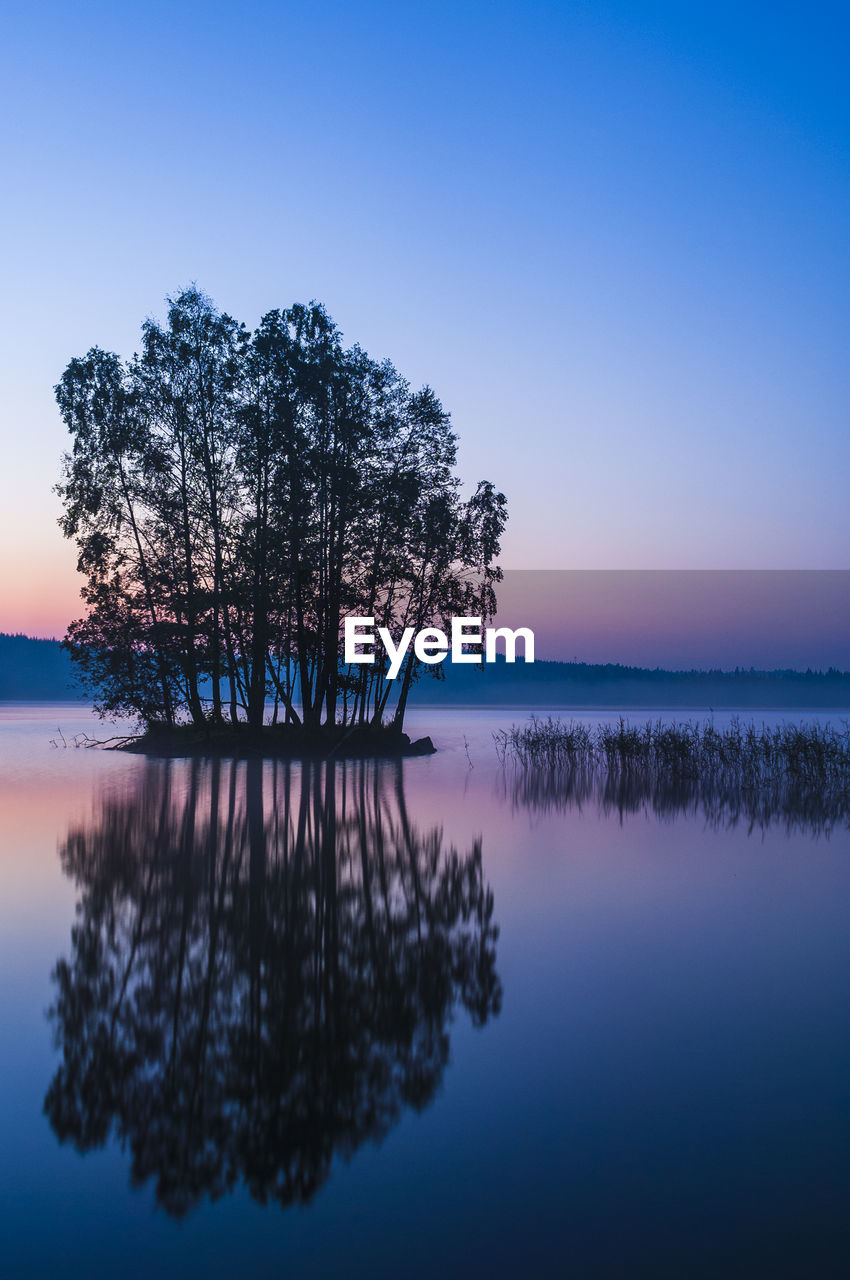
point(292, 742)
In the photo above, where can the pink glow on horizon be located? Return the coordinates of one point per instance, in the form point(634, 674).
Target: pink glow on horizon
point(684, 618)
point(674, 619)
point(40, 597)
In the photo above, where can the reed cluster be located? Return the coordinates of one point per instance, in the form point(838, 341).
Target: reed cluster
point(742, 754)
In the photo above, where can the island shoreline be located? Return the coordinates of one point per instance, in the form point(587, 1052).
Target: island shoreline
point(288, 742)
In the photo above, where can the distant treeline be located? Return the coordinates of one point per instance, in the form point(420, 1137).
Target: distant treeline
point(581, 684)
point(35, 671)
point(40, 670)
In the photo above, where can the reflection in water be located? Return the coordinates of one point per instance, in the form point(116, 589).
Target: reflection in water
point(264, 965)
point(814, 810)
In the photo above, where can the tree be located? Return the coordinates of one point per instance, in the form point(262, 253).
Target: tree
point(234, 496)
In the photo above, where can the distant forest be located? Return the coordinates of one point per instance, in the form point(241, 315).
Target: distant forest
point(35, 671)
point(40, 671)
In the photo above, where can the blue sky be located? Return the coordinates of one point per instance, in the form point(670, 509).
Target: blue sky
point(613, 237)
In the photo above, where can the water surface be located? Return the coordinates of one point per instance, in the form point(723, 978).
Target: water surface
point(412, 1018)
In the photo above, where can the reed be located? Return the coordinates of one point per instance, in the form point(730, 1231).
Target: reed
point(796, 776)
point(807, 756)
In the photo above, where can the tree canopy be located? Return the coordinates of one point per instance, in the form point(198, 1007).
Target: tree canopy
point(235, 494)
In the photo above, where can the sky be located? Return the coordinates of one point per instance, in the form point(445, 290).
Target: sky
point(612, 237)
point(682, 619)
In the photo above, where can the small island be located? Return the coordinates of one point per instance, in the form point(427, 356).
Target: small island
point(282, 741)
point(234, 497)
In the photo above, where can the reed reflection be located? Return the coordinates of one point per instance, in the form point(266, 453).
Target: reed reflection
point(717, 802)
point(262, 973)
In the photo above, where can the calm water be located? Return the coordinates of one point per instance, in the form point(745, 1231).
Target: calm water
point(412, 1019)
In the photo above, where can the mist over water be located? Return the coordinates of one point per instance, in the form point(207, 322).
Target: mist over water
point(265, 1015)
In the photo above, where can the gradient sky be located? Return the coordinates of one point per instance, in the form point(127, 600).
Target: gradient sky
point(681, 619)
point(612, 236)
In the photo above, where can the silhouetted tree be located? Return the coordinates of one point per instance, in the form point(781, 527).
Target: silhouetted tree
point(263, 971)
point(235, 495)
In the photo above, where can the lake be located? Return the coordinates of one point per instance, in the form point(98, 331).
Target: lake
point(413, 1018)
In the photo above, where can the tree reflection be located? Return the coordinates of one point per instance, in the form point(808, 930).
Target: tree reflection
point(263, 970)
point(810, 809)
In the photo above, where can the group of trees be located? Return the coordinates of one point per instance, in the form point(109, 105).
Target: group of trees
point(234, 495)
point(264, 968)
